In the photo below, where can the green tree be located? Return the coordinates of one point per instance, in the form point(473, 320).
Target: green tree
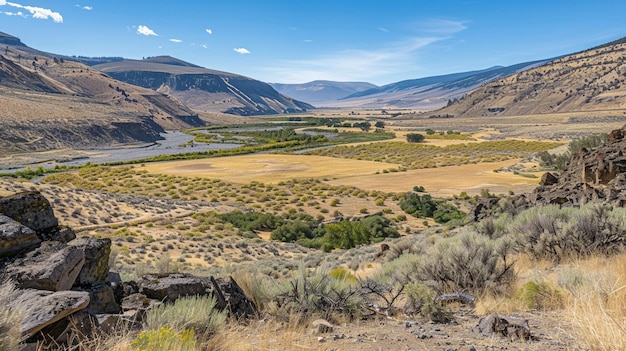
point(414, 137)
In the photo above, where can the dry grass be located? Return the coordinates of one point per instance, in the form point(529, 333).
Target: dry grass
point(269, 168)
point(446, 181)
point(597, 306)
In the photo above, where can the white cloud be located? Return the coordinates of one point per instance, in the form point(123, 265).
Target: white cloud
point(36, 12)
point(208, 30)
point(205, 46)
point(242, 51)
point(382, 29)
point(351, 65)
point(144, 30)
point(87, 8)
point(442, 26)
point(176, 40)
point(378, 65)
point(18, 13)
point(308, 40)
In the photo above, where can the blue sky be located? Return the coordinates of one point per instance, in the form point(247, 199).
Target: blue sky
point(296, 41)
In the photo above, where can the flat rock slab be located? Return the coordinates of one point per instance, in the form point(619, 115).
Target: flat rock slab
point(170, 287)
point(43, 308)
point(52, 266)
point(31, 209)
point(15, 238)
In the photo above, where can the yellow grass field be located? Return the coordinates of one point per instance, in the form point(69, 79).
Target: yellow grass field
point(271, 169)
point(447, 181)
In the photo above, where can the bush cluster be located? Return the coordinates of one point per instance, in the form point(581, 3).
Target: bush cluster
point(424, 206)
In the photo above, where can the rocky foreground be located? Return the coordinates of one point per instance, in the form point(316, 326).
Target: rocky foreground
point(65, 286)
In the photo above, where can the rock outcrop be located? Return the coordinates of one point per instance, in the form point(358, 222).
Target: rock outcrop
point(597, 175)
point(593, 175)
point(65, 289)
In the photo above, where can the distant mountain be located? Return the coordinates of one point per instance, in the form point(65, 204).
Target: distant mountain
point(203, 89)
point(48, 102)
point(586, 81)
point(320, 92)
point(427, 93)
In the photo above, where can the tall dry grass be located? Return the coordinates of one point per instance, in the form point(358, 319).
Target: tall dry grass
point(597, 304)
point(10, 317)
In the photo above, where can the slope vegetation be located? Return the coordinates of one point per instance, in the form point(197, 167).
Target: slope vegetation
point(592, 80)
point(51, 103)
point(203, 89)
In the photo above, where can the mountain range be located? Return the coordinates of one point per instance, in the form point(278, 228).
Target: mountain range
point(427, 93)
point(50, 101)
point(203, 89)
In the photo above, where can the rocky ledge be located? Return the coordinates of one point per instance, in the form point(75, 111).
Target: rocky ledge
point(65, 288)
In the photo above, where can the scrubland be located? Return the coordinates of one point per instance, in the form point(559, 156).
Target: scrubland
point(296, 232)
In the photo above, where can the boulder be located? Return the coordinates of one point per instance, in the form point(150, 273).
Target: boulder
point(67, 332)
point(44, 308)
point(15, 238)
point(136, 302)
point(102, 299)
point(507, 326)
point(172, 286)
point(548, 179)
point(61, 234)
point(31, 209)
point(96, 267)
point(53, 266)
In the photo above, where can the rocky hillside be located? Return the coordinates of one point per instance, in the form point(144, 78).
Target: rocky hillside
point(427, 93)
point(48, 102)
point(591, 80)
point(203, 89)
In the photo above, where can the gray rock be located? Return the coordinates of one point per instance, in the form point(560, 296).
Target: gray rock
point(15, 238)
point(102, 300)
point(135, 302)
point(52, 266)
point(548, 179)
point(170, 287)
point(322, 326)
point(96, 267)
point(507, 326)
point(43, 308)
point(61, 234)
point(66, 332)
point(30, 209)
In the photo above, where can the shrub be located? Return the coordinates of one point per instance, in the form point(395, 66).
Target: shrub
point(291, 232)
point(165, 338)
point(414, 137)
point(252, 220)
point(197, 313)
point(539, 296)
point(555, 233)
point(471, 262)
point(318, 296)
point(347, 234)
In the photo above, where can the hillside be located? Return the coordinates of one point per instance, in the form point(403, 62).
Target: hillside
point(427, 93)
point(591, 80)
point(321, 92)
point(203, 89)
point(51, 103)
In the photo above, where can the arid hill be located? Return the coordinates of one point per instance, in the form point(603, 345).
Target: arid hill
point(203, 89)
point(591, 80)
point(48, 102)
